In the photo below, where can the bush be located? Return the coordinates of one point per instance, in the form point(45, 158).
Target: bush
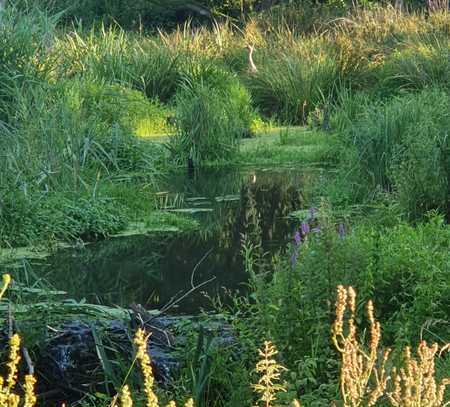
point(213, 112)
point(401, 146)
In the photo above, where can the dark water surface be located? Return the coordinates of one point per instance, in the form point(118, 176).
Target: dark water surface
point(153, 269)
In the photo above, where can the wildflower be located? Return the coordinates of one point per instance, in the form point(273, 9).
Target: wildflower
point(312, 213)
point(305, 228)
point(189, 403)
point(171, 404)
point(14, 359)
point(125, 397)
point(297, 238)
point(358, 369)
point(271, 372)
point(30, 396)
point(416, 384)
point(142, 355)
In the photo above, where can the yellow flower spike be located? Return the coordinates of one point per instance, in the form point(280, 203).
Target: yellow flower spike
point(125, 397)
point(171, 404)
point(270, 371)
point(6, 282)
point(142, 355)
point(30, 396)
point(13, 400)
point(189, 403)
point(14, 359)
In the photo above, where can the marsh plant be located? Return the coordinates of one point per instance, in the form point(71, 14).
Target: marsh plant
point(213, 114)
point(400, 146)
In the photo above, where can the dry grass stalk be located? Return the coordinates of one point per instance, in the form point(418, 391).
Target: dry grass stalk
point(361, 381)
point(415, 385)
point(270, 370)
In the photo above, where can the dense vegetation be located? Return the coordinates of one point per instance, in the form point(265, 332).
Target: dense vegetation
point(96, 105)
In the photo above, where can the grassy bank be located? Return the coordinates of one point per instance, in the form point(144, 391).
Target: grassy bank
point(100, 94)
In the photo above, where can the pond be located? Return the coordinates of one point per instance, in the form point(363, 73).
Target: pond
point(160, 268)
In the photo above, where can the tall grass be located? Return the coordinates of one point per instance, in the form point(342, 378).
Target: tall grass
point(402, 146)
point(293, 83)
point(213, 113)
point(109, 54)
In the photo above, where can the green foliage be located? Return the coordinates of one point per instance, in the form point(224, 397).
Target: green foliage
point(402, 268)
point(27, 219)
point(401, 146)
point(292, 84)
point(417, 64)
point(213, 112)
point(24, 40)
point(110, 55)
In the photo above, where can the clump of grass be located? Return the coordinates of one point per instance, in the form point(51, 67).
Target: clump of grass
point(110, 54)
point(292, 83)
point(401, 147)
point(213, 112)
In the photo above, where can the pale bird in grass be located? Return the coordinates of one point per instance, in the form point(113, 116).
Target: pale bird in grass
point(251, 64)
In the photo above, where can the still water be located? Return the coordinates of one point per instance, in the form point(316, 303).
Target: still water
point(156, 268)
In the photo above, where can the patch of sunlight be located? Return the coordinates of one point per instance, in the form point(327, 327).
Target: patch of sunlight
point(152, 128)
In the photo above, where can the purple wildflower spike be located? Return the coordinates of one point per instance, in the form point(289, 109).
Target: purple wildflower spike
point(297, 238)
point(312, 213)
point(305, 228)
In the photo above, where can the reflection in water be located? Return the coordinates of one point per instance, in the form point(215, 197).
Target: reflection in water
point(153, 269)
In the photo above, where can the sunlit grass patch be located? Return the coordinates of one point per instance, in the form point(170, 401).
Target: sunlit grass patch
point(287, 145)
